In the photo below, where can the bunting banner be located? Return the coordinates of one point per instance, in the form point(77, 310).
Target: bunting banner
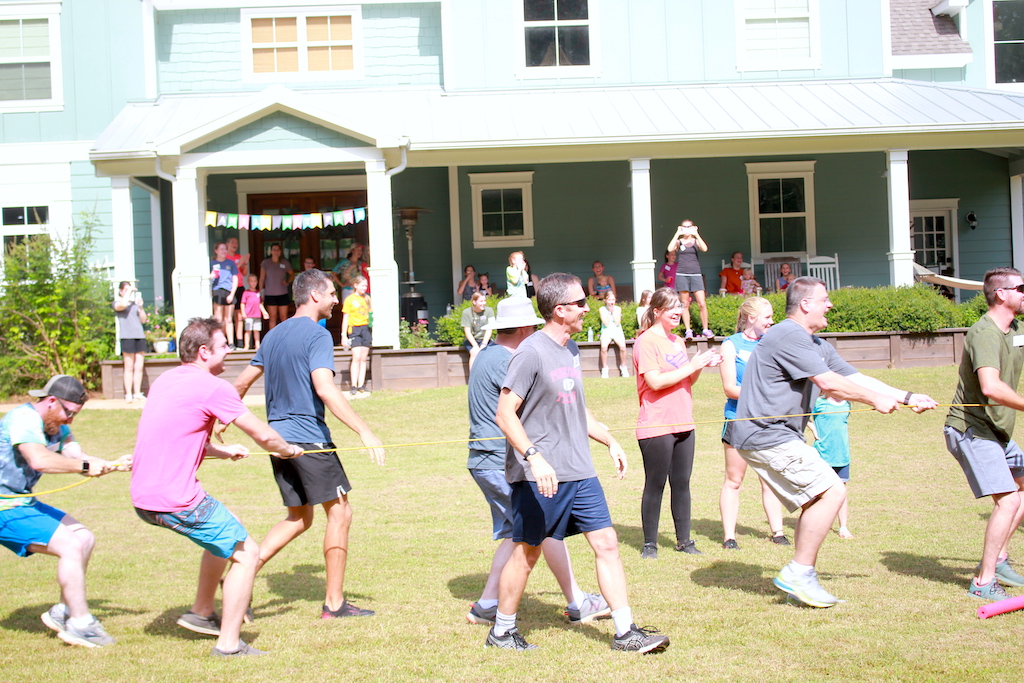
point(300, 221)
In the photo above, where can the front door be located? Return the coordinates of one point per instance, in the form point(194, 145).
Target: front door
point(933, 239)
point(325, 246)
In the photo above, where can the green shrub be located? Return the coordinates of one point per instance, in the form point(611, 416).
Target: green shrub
point(971, 310)
point(448, 328)
point(55, 315)
point(417, 337)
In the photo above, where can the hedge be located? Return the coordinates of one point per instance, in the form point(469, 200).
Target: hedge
point(919, 308)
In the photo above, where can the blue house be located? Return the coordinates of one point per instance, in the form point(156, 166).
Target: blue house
point(884, 131)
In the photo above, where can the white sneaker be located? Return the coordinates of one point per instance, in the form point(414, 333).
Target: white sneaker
point(127, 398)
point(623, 371)
point(805, 588)
point(604, 373)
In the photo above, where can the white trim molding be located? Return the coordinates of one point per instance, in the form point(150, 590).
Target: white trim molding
point(516, 180)
point(50, 11)
point(782, 169)
point(519, 26)
point(745, 61)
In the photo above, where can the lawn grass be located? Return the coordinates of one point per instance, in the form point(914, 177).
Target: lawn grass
point(421, 547)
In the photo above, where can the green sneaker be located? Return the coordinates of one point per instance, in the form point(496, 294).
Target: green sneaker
point(990, 591)
point(805, 588)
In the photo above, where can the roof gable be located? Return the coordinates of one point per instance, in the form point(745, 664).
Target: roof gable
point(277, 131)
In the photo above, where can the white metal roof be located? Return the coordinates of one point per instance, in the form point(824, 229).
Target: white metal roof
point(434, 120)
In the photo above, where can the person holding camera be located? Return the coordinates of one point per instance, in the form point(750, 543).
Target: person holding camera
point(685, 244)
point(130, 318)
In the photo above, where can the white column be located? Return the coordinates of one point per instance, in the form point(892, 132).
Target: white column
point(455, 228)
point(1017, 220)
point(383, 269)
point(123, 228)
point(643, 257)
point(901, 256)
point(191, 276)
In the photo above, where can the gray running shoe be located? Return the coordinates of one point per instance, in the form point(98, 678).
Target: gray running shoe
point(480, 615)
point(780, 539)
point(208, 626)
point(513, 640)
point(642, 640)
point(243, 650)
point(649, 552)
point(92, 635)
point(990, 591)
point(1006, 574)
point(688, 547)
point(593, 607)
point(805, 588)
point(56, 618)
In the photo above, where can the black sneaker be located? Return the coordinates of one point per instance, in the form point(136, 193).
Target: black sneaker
point(347, 609)
point(640, 640)
point(513, 640)
point(688, 547)
point(780, 539)
point(731, 544)
point(208, 626)
point(649, 552)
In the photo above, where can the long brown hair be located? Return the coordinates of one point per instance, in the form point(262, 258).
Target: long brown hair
point(663, 297)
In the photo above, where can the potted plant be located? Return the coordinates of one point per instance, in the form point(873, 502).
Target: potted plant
point(160, 326)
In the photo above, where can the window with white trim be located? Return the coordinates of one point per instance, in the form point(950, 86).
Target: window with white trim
point(781, 208)
point(30, 64)
point(778, 35)
point(19, 222)
point(502, 209)
point(557, 38)
point(1008, 40)
point(320, 44)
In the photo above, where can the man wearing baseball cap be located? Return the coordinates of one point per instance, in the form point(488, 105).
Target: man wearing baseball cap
point(515, 322)
point(36, 439)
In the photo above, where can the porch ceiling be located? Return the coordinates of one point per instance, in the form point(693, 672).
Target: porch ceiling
point(602, 124)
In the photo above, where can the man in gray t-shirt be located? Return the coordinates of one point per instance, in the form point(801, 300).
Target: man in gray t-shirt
point(555, 491)
point(782, 378)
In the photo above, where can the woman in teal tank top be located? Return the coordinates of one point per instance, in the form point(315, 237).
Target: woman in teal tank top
point(754, 318)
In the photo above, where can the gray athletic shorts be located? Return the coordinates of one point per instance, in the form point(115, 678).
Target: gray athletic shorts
point(689, 283)
point(990, 466)
point(794, 471)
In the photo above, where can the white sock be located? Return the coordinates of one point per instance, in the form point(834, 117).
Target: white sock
point(801, 569)
point(578, 596)
point(623, 618)
point(486, 604)
point(80, 622)
point(503, 623)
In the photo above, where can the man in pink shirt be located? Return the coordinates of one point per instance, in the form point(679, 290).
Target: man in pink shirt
point(173, 438)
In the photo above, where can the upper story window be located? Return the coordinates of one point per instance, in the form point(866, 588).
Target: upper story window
point(502, 209)
point(778, 35)
point(558, 38)
point(1008, 39)
point(320, 44)
point(21, 221)
point(781, 208)
point(30, 65)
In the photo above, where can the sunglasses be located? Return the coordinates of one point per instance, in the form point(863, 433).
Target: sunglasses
point(581, 303)
point(1019, 288)
point(69, 414)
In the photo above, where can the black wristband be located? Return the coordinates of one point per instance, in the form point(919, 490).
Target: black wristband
point(906, 399)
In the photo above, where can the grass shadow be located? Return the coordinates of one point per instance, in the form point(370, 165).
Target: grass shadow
point(633, 536)
point(467, 586)
point(27, 618)
point(930, 568)
point(303, 582)
point(739, 576)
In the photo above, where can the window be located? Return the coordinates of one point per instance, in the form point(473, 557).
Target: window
point(782, 208)
point(315, 45)
point(1008, 39)
point(502, 209)
point(30, 67)
point(777, 35)
point(557, 39)
point(18, 222)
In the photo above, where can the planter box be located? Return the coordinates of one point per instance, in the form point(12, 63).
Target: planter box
point(446, 366)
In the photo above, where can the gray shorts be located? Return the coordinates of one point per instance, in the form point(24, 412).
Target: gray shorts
point(498, 494)
point(794, 471)
point(689, 283)
point(254, 324)
point(990, 466)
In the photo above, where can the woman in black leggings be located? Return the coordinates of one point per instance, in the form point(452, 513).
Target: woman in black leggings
point(664, 377)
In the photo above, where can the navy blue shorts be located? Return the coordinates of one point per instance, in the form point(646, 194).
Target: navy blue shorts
point(843, 472)
point(577, 507)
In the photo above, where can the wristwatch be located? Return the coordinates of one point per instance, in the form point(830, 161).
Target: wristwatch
point(530, 451)
point(85, 467)
point(906, 399)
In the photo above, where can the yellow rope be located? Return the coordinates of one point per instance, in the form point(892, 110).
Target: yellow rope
point(496, 438)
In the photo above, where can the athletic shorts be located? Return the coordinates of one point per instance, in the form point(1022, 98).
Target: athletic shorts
point(276, 299)
point(613, 334)
point(794, 471)
point(253, 324)
point(498, 495)
point(209, 525)
point(990, 466)
point(360, 336)
point(689, 283)
point(577, 507)
point(220, 296)
point(133, 346)
point(23, 525)
point(469, 347)
point(311, 478)
point(238, 297)
point(843, 471)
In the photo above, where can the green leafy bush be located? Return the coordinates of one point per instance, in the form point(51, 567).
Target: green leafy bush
point(55, 314)
point(448, 328)
point(417, 337)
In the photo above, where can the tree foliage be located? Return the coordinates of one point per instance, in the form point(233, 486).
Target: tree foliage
point(55, 316)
